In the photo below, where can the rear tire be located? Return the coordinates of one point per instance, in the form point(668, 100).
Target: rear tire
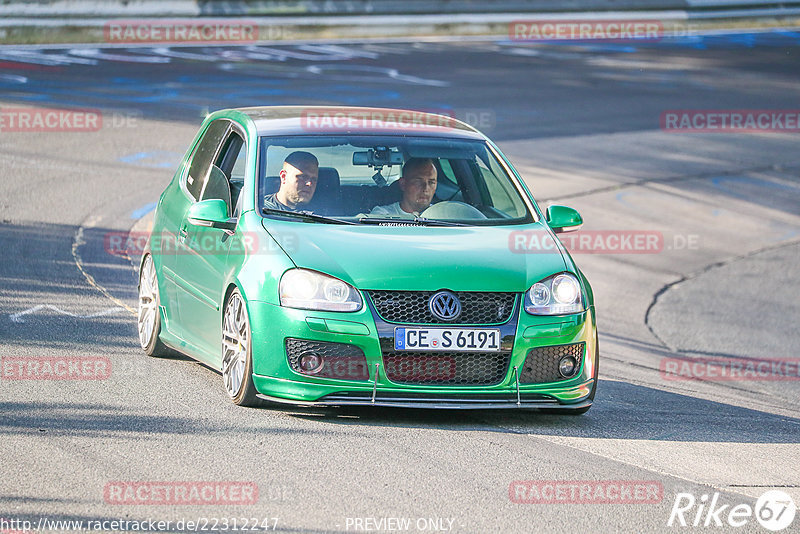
point(149, 314)
point(237, 358)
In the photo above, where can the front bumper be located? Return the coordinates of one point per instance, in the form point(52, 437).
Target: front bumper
point(466, 402)
point(271, 325)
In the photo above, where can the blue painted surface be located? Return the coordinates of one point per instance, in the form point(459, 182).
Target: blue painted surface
point(159, 159)
point(189, 98)
point(144, 210)
point(699, 42)
point(724, 183)
point(620, 197)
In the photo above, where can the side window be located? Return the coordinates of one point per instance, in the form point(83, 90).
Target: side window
point(229, 179)
point(203, 154)
point(237, 177)
point(217, 186)
point(447, 170)
point(501, 190)
point(448, 188)
point(237, 173)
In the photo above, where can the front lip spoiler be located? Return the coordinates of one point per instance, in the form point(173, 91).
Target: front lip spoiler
point(456, 403)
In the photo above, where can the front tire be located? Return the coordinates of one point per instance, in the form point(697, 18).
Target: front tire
point(237, 359)
point(149, 316)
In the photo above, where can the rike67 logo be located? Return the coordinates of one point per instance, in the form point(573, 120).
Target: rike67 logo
point(774, 510)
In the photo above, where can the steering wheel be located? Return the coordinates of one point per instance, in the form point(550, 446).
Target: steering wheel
point(452, 210)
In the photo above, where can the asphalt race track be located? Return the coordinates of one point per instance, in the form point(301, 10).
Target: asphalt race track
point(582, 123)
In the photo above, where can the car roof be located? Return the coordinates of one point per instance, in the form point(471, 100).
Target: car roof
point(348, 120)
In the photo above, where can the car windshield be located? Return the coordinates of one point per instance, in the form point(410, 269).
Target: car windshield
point(387, 180)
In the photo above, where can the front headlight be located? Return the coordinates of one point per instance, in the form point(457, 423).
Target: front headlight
point(557, 295)
point(310, 290)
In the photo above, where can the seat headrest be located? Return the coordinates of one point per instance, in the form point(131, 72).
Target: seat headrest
point(326, 198)
point(328, 177)
point(272, 184)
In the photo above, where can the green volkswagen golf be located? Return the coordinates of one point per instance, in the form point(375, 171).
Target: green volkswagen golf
point(364, 256)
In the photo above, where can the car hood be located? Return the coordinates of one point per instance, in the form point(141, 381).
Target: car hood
point(421, 258)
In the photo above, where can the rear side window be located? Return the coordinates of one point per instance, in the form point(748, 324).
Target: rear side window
point(239, 169)
point(203, 156)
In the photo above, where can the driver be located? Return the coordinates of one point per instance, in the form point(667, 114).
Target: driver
point(298, 182)
point(418, 183)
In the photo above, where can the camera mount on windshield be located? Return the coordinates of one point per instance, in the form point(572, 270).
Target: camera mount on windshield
point(378, 158)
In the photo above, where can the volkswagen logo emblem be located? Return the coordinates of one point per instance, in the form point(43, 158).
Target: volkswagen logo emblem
point(445, 306)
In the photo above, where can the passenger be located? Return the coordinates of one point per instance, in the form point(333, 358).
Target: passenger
point(418, 183)
point(298, 183)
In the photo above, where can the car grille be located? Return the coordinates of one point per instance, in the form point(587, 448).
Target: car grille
point(541, 364)
point(411, 307)
point(446, 368)
point(342, 361)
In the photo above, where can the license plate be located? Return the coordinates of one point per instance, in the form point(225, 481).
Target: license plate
point(447, 339)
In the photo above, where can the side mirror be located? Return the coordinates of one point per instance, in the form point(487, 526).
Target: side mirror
point(563, 219)
point(212, 213)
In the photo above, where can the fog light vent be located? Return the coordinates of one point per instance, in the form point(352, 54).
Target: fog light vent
point(326, 360)
point(552, 364)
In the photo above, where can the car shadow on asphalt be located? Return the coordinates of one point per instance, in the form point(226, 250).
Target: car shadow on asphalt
point(42, 419)
point(621, 411)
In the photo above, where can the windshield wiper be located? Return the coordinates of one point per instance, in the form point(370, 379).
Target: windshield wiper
point(305, 215)
point(399, 221)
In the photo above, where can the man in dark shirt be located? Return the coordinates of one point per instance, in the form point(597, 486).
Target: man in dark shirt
point(298, 183)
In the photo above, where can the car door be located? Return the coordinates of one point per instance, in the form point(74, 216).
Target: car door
point(173, 209)
point(203, 255)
